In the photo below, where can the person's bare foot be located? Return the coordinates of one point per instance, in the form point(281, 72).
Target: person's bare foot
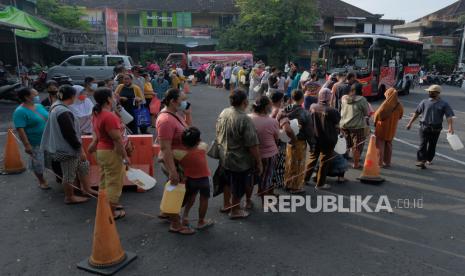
point(204, 224)
point(44, 185)
point(76, 200)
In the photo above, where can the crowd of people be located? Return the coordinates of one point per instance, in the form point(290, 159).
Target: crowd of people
point(279, 129)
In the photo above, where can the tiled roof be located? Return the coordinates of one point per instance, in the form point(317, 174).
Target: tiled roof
point(327, 8)
point(452, 11)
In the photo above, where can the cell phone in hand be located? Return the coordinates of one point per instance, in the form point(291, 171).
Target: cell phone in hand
point(188, 105)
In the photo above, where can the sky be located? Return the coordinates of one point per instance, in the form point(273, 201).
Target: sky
point(407, 10)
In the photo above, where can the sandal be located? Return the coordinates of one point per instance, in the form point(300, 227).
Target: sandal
point(242, 215)
point(163, 216)
point(225, 210)
point(44, 187)
point(119, 214)
point(323, 187)
point(208, 223)
point(183, 230)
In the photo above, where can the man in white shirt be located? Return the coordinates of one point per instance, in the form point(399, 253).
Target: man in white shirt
point(227, 71)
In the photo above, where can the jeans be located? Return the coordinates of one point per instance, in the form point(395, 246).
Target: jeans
point(429, 138)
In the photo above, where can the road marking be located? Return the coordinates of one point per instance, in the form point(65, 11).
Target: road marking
point(416, 103)
point(3, 133)
point(437, 153)
point(399, 239)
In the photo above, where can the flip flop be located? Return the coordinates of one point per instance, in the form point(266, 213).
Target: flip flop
point(225, 210)
point(182, 231)
point(118, 207)
point(44, 187)
point(120, 214)
point(163, 216)
point(209, 223)
point(243, 215)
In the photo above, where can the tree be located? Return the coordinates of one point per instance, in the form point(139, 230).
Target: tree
point(274, 28)
point(64, 15)
point(443, 60)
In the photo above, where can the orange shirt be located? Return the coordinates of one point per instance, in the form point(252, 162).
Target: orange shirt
point(193, 161)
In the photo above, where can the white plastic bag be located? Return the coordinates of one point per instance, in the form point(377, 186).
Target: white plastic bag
point(233, 79)
point(295, 126)
point(257, 88)
point(141, 179)
point(305, 76)
point(125, 116)
point(341, 145)
point(454, 141)
point(283, 136)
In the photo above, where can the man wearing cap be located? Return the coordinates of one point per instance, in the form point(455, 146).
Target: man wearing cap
point(432, 110)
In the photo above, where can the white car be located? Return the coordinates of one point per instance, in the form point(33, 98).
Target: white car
point(81, 66)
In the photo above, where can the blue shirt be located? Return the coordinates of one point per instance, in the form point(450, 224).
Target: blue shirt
point(32, 123)
point(160, 87)
point(296, 81)
point(433, 111)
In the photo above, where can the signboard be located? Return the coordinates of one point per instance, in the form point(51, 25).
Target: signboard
point(111, 31)
point(161, 19)
point(195, 33)
point(351, 42)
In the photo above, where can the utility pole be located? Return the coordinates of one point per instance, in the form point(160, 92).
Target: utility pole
point(461, 47)
point(126, 27)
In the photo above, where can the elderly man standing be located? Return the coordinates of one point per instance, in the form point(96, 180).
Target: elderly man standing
point(433, 111)
point(238, 152)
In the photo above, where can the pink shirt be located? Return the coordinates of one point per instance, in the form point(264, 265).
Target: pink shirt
point(267, 131)
point(169, 128)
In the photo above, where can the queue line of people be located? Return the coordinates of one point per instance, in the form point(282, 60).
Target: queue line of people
point(260, 147)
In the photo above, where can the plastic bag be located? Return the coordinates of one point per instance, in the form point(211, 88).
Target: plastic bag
point(142, 115)
point(155, 105)
point(341, 145)
point(141, 179)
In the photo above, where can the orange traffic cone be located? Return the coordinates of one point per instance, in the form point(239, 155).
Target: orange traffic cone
point(11, 155)
point(108, 256)
point(371, 169)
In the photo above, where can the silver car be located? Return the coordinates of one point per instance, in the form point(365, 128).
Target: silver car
point(81, 66)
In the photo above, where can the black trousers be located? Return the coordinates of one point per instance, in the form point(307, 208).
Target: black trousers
point(227, 84)
point(429, 138)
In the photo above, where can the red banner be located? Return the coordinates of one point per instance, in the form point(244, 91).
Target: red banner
point(111, 27)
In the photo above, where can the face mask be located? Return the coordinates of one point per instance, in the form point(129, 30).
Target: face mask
point(53, 92)
point(93, 86)
point(183, 106)
point(82, 97)
point(36, 99)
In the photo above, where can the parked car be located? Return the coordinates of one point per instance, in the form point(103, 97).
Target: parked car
point(98, 66)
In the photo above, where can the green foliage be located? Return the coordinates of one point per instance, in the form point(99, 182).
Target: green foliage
point(443, 60)
point(64, 15)
point(147, 55)
point(274, 28)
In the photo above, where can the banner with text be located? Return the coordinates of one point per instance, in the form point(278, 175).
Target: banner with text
point(111, 27)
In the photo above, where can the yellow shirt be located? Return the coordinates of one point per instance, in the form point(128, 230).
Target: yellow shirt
point(148, 90)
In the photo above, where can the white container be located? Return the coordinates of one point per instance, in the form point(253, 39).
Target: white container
point(454, 141)
point(295, 126)
point(305, 76)
point(141, 179)
point(341, 145)
point(283, 136)
point(125, 116)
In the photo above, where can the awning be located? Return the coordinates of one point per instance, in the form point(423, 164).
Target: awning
point(17, 17)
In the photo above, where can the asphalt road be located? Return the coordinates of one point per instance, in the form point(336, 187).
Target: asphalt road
point(39, 235)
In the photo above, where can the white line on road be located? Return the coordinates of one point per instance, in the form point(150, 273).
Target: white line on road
point(437, 153)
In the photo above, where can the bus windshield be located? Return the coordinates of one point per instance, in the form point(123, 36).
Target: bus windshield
point(350, 54)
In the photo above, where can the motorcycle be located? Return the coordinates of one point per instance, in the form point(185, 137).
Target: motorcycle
point(9, 92)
